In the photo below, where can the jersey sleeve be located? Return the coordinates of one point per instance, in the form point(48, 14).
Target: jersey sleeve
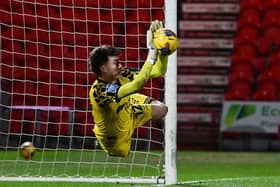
point(129, 74)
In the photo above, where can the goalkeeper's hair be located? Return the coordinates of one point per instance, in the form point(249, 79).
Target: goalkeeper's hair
point(99, 56)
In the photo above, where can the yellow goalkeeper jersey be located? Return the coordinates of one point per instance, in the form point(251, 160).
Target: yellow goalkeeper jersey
point(115, 119)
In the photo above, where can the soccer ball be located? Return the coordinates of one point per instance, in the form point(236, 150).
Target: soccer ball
point(165, 41)
point(27, 150)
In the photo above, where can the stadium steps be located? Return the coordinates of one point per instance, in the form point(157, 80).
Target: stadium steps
point(206, 31)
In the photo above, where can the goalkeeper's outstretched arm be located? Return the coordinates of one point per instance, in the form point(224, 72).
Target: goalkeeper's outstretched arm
point(140, 80)
point(155, 65)
point(160, 67)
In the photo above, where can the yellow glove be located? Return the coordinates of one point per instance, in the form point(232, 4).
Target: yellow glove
point(155, 25)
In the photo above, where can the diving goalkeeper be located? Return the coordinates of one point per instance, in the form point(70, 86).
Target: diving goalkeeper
point(117, 107)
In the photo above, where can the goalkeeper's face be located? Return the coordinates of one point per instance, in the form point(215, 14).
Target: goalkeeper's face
point(111, 70)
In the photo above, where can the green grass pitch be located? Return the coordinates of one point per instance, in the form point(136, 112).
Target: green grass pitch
point(201, 168)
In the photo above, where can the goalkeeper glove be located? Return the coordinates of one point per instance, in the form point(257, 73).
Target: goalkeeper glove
point(155, 25)
point(152, 56)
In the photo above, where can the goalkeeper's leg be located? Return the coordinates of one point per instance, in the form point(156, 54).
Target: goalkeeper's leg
point(159, 110)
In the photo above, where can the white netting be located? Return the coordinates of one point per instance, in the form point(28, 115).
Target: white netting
point(45, 82)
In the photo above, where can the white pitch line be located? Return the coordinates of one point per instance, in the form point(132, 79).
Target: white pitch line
point(225, 180)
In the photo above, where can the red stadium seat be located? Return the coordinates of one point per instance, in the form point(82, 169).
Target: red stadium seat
point(68, 38)
point(17, 99)
point(274, 58)
point(68, 102)
point(55, 37)
point(43, 24)
point(118, 4)
point(271, 74)
point(106, 39)
point(131, 29)
point(56, 90)
point(106, 28)
point(248, 4)
point(246, 34)
point(67, 13)
point(6, 18)
point(80, 39)
point(243, 53)
point(31, 74)
point(42, 10)
point(241, 71)
point(17, 19)
point(238, 90)
point(271, 18)
point(81, 52)
point(271, 33)
point(55, 24)
point(81, 66)
point(68, 52)
point(157, 3)
point(56, 50)
point(92, 14)
point(264, 45)
point(267, 91)
point(5, 5)
point(30, 99)
point(132, 41)
point(93, 28)
point(30, 34)
point(56, 77)
point(68, 77)
point(69, 91)
point(6, 31)
point(43, 100)
point(42, 36)
point(81, 27)
point(82, 103)
point(6, 71)
point(275, 72)
point(7, 58)
point(259, 64)
point(43, 50)
point(29, 21)
point(118, 15)
point(81, 91)
point(18, 33)
point(250, 17)
point(93, 40)
point(158, 14)
point(67, 26)
point(80, 13)
point(43, 90)
point(57, 66)
point(18, 74)
point(132, 54)
point(271, 4)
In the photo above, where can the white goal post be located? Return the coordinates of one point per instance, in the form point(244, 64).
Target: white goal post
point(44, 88)
point(171, 100)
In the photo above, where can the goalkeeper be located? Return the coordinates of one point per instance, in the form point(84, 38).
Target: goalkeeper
point(117, 108)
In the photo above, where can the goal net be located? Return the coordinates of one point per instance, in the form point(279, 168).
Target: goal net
point(45, 82)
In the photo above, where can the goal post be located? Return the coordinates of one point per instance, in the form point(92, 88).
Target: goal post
point(171, 100)
point(45, 80)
